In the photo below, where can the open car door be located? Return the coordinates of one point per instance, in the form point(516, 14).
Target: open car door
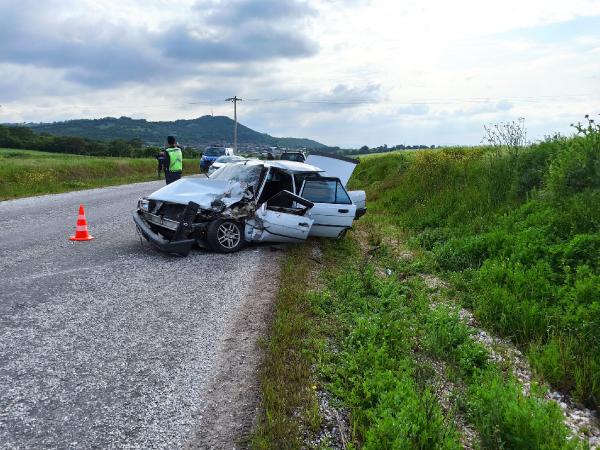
point(282, 218)
point(336, 166)
point(333, 211)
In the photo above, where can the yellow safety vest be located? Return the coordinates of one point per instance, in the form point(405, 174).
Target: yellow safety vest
point(175, 159)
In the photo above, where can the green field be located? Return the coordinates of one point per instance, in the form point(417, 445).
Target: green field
point(28, 172)
point(512, 235)
point(392, 152)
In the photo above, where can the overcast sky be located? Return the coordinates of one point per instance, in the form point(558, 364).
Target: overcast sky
point(343, 72)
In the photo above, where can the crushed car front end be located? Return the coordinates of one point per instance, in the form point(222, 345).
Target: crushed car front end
point(169, 227)
point(194, 209)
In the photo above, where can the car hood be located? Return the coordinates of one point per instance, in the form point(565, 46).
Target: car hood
point(333, 165)
point(202, 191)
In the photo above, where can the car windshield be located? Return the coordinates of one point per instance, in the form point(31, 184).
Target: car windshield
point(227, 159)
point(214, 151)
point(242, 173)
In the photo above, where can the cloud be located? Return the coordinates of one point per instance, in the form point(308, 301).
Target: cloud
point(100, 52)
point(246, 45)
point(344, 72)
point(562, 32)
point(369, 92)
point(241, 31)
point(91, 52)
point(238, 13)
point(413, 110)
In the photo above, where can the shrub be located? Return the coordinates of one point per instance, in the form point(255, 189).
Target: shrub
point(520, 234)
point(577, 164)
point(507, 419)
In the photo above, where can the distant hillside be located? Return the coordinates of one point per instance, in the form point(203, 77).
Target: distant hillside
point(195, 132)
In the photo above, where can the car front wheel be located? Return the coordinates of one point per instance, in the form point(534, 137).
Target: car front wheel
point(225, 236)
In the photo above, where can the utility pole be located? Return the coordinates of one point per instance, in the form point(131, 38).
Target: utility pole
point(234, 99)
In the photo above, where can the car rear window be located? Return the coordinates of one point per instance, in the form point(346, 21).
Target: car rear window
point(214, 151)
point(292, 157)
point(326, 191)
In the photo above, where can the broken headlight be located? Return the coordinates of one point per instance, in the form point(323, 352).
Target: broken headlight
point(144, 204)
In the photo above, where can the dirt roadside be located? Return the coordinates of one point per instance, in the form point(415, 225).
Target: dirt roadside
point(232, 399)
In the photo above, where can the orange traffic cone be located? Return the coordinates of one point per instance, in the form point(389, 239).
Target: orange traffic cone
point(81, 231)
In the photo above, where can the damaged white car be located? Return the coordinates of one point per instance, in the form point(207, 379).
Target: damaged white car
point(252, 201)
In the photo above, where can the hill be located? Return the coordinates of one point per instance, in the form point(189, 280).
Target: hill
point(193, 132)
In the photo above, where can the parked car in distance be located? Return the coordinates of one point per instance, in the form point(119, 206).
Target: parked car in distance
point(222, 160)
point(293, 156)
point(252, 201)
point(211, 153)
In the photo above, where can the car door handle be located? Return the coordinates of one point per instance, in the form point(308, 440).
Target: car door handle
point(343, 211)
point(303, 224)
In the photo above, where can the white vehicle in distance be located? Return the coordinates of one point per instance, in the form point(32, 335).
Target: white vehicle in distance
point(252, 201)
point(222, 160)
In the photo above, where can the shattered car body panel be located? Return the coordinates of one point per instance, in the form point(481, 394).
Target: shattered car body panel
point(250, 201)
point(269, 225)
point(202, 191)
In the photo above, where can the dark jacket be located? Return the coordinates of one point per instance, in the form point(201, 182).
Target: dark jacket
point(161, 158)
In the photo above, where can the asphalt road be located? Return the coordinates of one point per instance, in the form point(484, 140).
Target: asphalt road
point(110, 344)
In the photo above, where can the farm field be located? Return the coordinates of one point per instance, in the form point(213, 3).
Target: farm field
point(368, 155)
point(462, 311)
point(29, 172)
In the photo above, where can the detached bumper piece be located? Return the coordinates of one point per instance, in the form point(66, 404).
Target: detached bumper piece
point(178, 244)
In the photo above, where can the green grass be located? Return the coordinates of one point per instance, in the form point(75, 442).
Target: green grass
point(288, 400)
point(370, 329)
point(519, 233)
point(517, 236)
point(370, 340)
point(27, 172)
point(385, 336)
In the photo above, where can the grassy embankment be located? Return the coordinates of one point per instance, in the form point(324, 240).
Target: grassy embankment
point(27, 172)
point(516, 233)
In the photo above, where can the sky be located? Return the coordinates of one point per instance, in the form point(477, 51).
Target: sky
point(343, 72)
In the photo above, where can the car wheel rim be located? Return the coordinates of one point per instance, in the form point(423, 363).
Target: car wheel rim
point(228, 235)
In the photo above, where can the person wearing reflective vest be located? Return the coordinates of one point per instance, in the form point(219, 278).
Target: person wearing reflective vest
point(173, 161)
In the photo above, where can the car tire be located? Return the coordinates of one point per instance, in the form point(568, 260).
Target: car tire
point(225, 236)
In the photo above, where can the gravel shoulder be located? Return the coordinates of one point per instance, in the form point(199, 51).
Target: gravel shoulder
point(110, 344)
point(231, 401)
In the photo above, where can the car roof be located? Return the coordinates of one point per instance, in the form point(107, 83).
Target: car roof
point(290, 166)
point(293, 166)
point(240, 158)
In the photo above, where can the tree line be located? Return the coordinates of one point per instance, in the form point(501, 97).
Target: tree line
point(364, 150)
point(24, 138)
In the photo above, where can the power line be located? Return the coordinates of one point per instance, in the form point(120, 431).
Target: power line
point(340, 102)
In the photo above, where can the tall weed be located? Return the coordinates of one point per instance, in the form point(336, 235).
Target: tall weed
point(522, 229)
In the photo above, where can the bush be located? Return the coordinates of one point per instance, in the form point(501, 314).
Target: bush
point(577, 165)
point(507, 419)
point(406, 418)
point(519, 232)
